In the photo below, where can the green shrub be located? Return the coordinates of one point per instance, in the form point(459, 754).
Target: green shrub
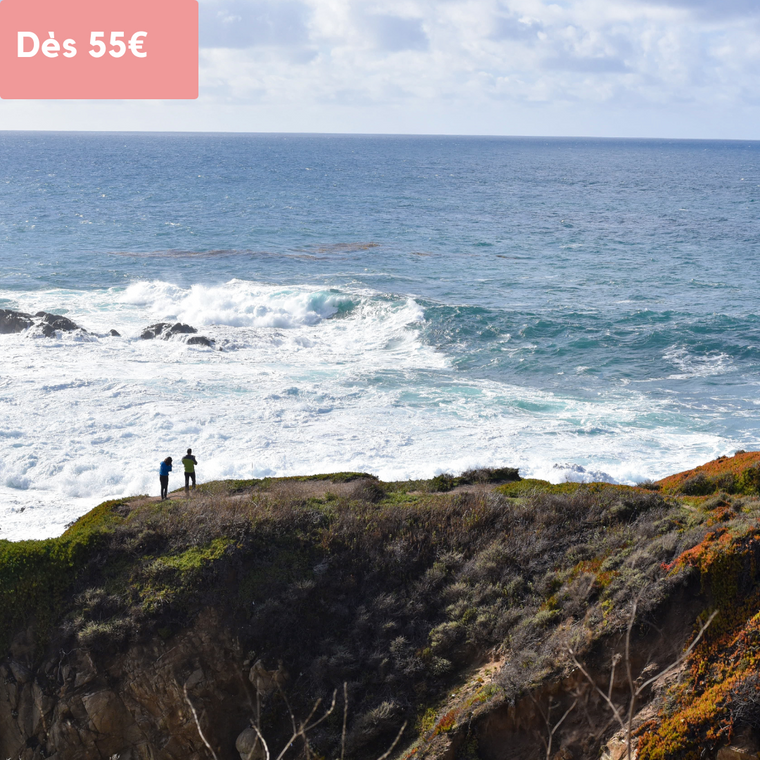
point(442, 483)
point(489, 475)
point(36, 576)
point(697, 485)
point(749, 481)
point(529, 486)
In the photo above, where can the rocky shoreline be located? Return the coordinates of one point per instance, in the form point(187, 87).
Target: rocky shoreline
point(51, 325)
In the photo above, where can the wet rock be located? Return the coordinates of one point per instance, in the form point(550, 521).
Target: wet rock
point(195, 678)
point(107, 713)
point(166, 330)
point(154, 331)
point(14, 321)
point(200, 340)
point(26, 712)
point(114, 333)
point(51, 323)
point(18, 321)
point(267, 681)
point(180, 328)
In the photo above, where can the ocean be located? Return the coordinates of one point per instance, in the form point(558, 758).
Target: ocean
point(405, 306)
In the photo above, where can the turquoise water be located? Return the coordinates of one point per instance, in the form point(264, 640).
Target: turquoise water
point(581, 309)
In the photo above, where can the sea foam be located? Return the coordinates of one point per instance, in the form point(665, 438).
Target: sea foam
point(532, 304)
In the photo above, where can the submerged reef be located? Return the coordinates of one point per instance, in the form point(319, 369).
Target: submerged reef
point(471, 616)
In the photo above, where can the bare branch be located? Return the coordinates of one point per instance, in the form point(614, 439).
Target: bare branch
point(294, 735)
point(395, 742)
point(631, 684)
point(627, 725)
point(287, 746)
point(556, 726)
point(345, 719)
point(681, 659)
point(305, 725)
point(615, 660)
point(263, 743)
point(610, 703)
point(198, 723)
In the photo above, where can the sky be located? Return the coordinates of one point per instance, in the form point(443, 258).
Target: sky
point(597, 68)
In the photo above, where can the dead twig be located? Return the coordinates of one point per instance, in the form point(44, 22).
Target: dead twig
point(345, 719)
point(301, 730)
point(626, 724)
point(198, 723)
point(306, 726)
point(263, 743)
point(547, 719)
point(395, 742)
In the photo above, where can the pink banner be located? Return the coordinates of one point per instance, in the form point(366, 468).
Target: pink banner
point(55, 49)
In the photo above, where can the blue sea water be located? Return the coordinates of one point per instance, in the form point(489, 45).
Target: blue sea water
point(581, 309)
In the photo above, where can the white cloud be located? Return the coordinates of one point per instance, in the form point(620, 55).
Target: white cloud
point(628, 67)
point(526, 51)
point(252, 23)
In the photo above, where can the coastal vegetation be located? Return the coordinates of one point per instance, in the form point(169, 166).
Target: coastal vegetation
point(460, 606)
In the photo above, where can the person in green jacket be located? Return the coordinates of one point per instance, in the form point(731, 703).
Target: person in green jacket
point(189, 461)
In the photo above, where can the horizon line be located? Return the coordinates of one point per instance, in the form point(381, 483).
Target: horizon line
point(380, 134)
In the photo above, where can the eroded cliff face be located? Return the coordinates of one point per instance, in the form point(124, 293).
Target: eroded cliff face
point(134, 705)
point(130, 706)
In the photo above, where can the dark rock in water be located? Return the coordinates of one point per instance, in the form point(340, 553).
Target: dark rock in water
point(50, 323)
point(154, 330)
point(200, 340)
point(14, 321)
point(17, 321)
point(165, 330)
point(114, 334)
point(180, 328)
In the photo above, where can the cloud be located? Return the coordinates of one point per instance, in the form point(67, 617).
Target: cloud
point(508, 26)
point(394, 33)
point(669, 68)
point(251, 23)
point(714, 9)
point(589, 65)
point(476, 55)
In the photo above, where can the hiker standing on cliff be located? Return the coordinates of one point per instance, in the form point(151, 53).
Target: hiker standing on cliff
point(163, 475)
point(189, 461)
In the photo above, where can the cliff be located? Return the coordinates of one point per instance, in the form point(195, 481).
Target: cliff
point(489, 617)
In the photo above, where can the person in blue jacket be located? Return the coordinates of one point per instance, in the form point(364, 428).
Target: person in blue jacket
point(163, 475)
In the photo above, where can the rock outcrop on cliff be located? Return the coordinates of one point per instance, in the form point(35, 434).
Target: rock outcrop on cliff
point(130, 705)
point(486, 617)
